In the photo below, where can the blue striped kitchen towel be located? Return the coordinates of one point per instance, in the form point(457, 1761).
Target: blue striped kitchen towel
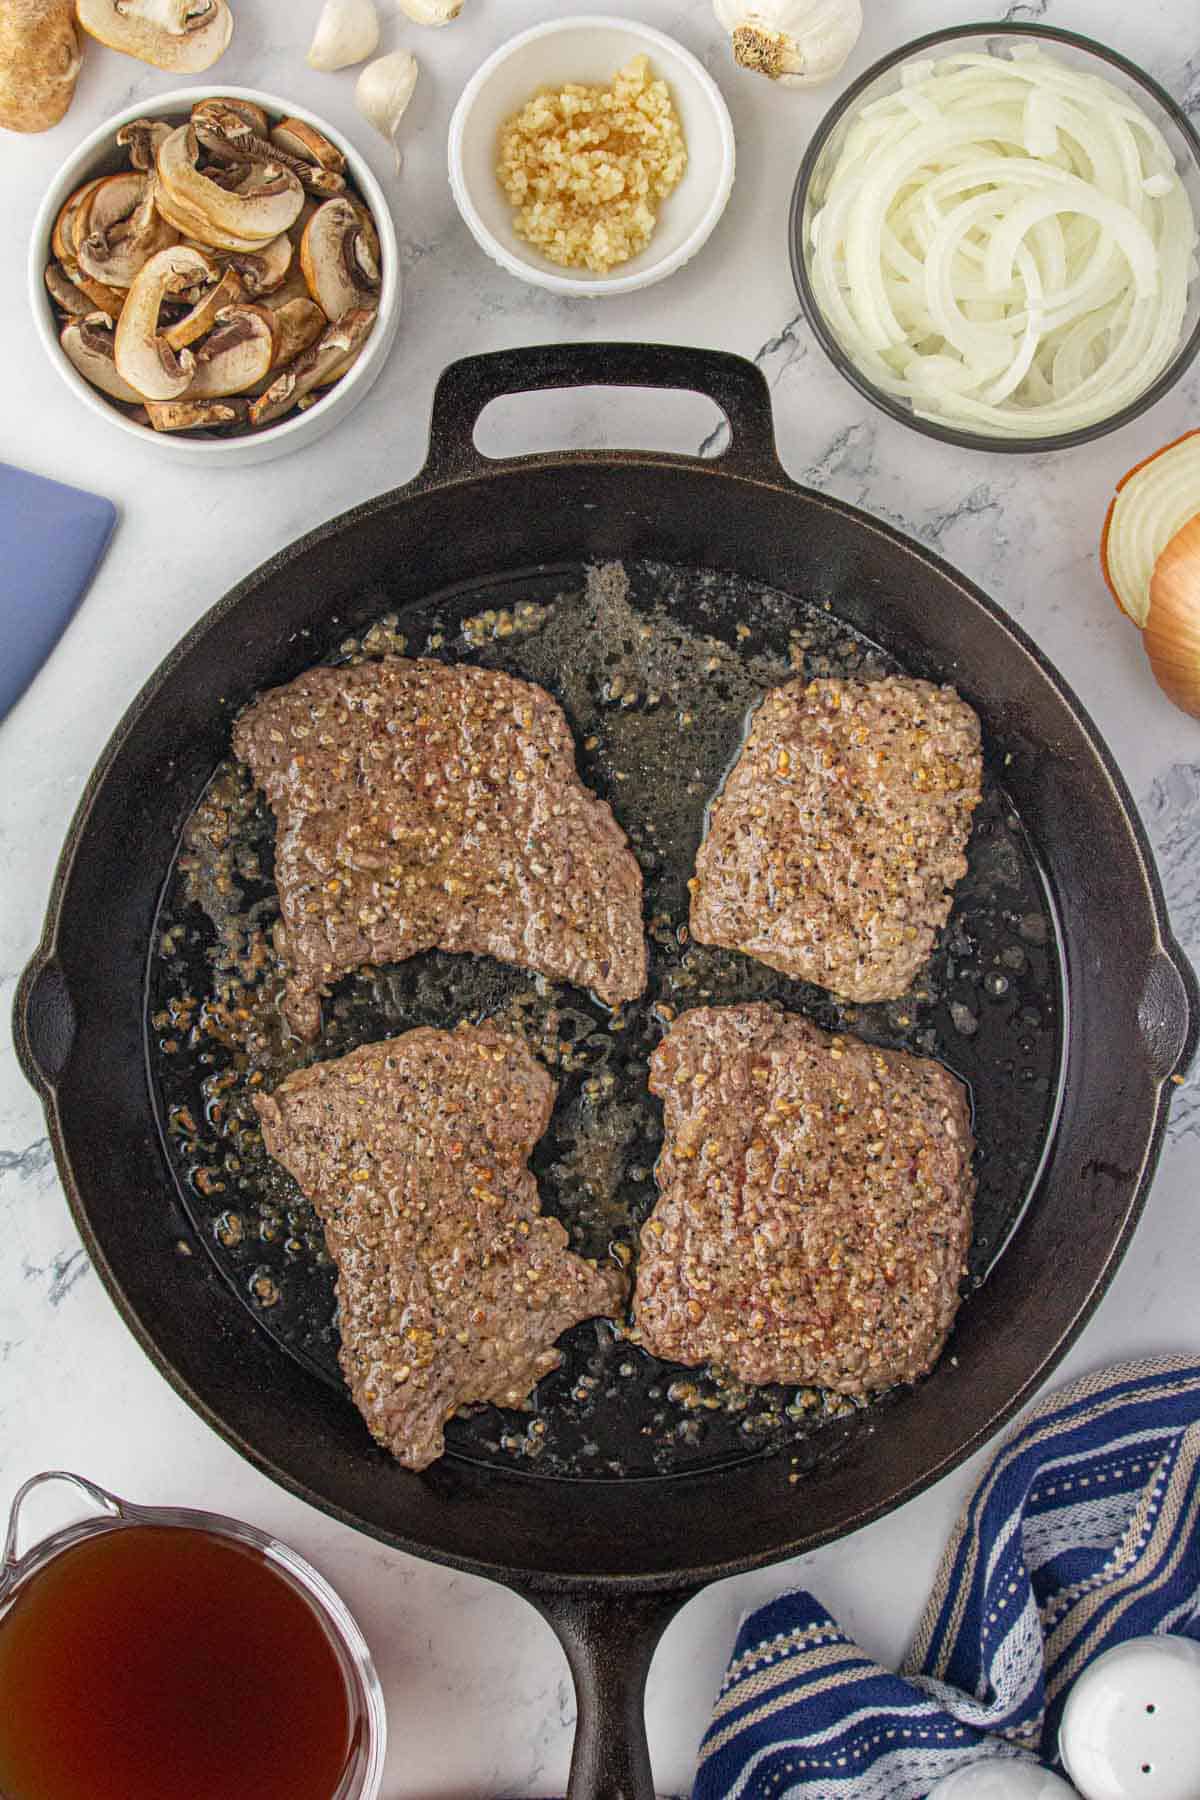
point(1082, 1532)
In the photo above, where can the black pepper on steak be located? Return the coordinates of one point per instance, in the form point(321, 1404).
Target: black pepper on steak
point(422, 806)
point(833, 847)
point(815, 1204)
point(451, 1285)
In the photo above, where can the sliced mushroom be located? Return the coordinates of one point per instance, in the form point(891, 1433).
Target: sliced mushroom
point(144, 358)
point(294, 288)
point(195, 415)
point(62, 238)
point(244, 219)
point(88, 345)
point(332, 354)
point(66, 295)
point(228, 291)
point(263, 271)
point(339, 254)
point(184, 36)
point(227, 138)
point(255, 117)
point(298, 324)
point(113, 240)
point(319, 164)
point(106, 204)
point(237, 355)
point(192, 222)
point(104, 299)
point(141, 137)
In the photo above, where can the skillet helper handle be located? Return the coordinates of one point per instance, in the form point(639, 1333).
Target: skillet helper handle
point(732, 383)
point(610, 1640)
point(44, 1023)
point(1169, 1013)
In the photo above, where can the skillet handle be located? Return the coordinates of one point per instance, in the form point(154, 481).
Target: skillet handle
point(734, 384)
point(610, 1640)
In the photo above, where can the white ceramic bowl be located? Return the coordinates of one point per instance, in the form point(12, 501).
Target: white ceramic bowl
point(590, 48)
point(98, 155)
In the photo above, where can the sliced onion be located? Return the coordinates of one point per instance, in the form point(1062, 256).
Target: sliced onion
point(1152, 504)
point(1006, 243)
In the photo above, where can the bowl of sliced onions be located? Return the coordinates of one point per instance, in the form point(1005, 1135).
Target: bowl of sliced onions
point(994, 237)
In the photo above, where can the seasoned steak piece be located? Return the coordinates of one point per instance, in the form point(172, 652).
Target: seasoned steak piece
point(840, 831)
point(451, 1285)
point(815, 1204)
point(422, 805)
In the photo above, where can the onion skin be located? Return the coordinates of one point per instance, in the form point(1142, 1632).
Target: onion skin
point(1172, 632)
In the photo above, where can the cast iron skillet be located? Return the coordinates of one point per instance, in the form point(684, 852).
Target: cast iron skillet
point(607, 1563)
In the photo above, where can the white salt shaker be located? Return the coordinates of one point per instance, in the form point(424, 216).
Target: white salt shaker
point(1131, 1725)
point(1001, 1778)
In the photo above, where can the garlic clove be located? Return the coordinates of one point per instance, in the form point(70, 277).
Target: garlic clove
point(1172, 631)
point(347, 32)
point(795, 42)
point(383, 92)
point(430, 12)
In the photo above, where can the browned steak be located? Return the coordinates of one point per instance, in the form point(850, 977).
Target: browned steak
point(422, 805)
point(840, 831)
point(815, 1204)
point(451, 1285)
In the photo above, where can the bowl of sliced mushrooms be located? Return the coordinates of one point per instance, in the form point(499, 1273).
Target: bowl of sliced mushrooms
point(218, 274)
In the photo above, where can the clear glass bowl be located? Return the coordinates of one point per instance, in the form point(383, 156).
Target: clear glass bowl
point(363, 1779)
point(885, 78)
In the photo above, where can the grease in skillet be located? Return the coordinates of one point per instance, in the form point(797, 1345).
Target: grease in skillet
point(656, 668)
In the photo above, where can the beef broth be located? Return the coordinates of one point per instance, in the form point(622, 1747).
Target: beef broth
point(158, 1660)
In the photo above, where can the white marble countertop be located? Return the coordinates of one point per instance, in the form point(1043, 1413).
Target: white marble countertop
point(478, 1693)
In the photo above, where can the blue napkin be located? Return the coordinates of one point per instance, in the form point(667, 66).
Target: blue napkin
point(51, 540)
point(1082, 1532)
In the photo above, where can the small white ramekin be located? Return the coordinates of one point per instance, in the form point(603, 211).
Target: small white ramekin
point(590, 48)
point(98, 155)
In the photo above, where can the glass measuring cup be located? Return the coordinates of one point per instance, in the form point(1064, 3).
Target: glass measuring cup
point(258, 1566)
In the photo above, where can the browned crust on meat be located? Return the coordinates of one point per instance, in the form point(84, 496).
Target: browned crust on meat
point(815, 1204)
point(424, 805)
point(833, 847)
point(451, 1285)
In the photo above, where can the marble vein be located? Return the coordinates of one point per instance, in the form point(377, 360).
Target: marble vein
point(27, 1163)
point(774, 357)
point(64, 1270)
point(1171, 810)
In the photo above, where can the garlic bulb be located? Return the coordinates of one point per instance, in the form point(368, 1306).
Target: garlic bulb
point(383, 92)
point(795, 42)
point(347, 32)
point(430, 12)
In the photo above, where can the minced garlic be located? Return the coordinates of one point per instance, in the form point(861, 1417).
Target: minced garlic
point(585, 167)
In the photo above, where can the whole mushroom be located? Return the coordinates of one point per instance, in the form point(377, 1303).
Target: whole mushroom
point(39, 63)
